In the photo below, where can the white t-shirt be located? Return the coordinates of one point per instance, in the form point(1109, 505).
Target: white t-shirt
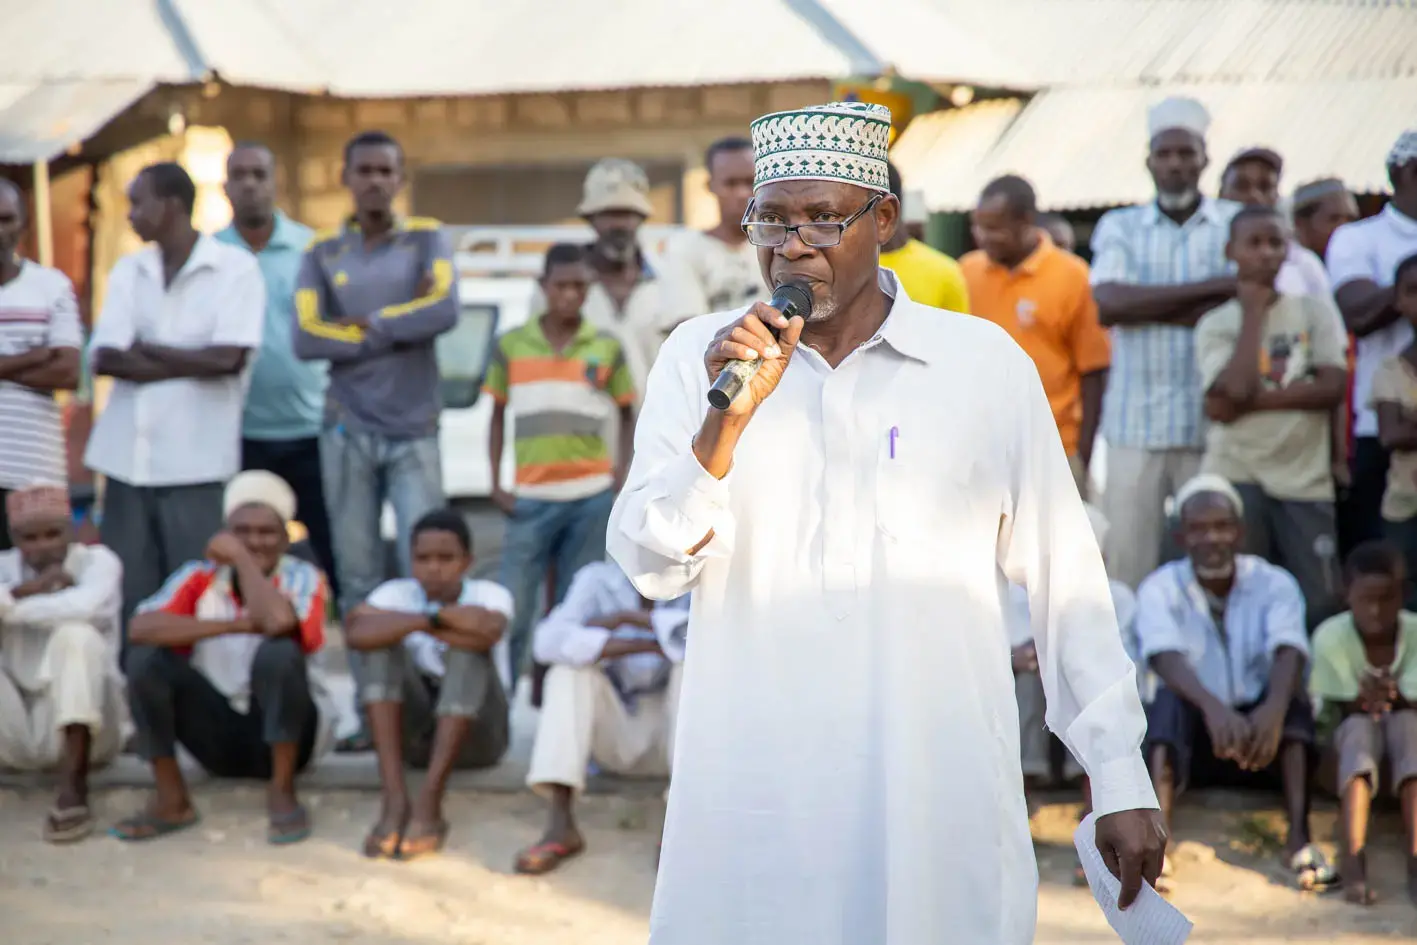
point(37, 310)
point(1371, 249)
point(700, 274)
point(187, 430)
point(405, 595)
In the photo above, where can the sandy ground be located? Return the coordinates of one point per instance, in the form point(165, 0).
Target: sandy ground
point(221, 884)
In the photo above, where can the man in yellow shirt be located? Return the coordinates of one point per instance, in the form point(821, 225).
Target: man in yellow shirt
point(928, 275)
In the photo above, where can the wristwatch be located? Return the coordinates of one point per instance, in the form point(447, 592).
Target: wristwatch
point(435, 621)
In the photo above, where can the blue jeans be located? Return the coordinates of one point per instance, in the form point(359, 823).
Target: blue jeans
point(540, 533)
point(361, 471)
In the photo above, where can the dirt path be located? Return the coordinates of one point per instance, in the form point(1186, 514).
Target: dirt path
point(221, 884)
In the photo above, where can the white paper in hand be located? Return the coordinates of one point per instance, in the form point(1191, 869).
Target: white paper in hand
point(1150, 920)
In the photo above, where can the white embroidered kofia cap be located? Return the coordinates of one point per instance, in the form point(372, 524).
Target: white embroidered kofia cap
point(843, 141)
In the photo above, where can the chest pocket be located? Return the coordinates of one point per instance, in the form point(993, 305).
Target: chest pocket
point(928, 492)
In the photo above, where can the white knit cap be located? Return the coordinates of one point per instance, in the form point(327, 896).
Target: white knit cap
point(1177, 112)
point(259, 487)
point(843, 141)
point(1213, 485)
point(1404, 150)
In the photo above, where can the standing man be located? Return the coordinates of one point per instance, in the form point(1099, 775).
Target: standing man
point(40, 338)
point(372, 299)
point(1362, 262)
point(1040, 295)
point(1252, 179)
point(285, 405)
point(1319, 208)
point(928, 275)
point(625, 298)
point(1156, 269)
point(715, 270)
point(180, 321)
point(861, 531)
point(1059, 230)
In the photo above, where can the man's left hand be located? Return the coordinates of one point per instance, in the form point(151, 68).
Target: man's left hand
point(1266, 731)
point(1133, 845)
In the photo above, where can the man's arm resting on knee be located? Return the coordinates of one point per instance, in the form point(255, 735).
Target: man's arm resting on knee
point(369, 628)
point(158, 628)
point(96, 592)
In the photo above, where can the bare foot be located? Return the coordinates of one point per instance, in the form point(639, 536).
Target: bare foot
point(1355, 879)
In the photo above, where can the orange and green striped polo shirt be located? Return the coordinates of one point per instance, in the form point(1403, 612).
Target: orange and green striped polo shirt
point(560, 403)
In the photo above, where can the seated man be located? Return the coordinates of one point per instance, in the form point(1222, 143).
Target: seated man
point(1365, 684)
point(61, 698)
point(430, 687)
point(218, 661)
point(1225, 634)
point(611, 695)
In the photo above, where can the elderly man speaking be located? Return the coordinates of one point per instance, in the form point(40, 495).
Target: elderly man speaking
point(847, 761)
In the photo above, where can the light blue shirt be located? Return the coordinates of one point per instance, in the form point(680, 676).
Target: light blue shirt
point(286, 400)
point(1153, 398)
point(1265, 611)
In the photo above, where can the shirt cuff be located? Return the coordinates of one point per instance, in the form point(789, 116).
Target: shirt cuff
point(702, 502)
point(1124, 784)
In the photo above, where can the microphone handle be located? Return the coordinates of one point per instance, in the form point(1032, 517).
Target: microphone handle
point(731, 381)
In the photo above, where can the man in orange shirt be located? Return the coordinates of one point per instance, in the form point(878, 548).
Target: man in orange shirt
point(1040, 295)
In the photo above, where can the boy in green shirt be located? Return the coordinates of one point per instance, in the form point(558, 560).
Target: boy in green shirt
point(1364, 678)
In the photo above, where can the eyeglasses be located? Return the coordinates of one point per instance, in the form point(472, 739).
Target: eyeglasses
point(815, 235)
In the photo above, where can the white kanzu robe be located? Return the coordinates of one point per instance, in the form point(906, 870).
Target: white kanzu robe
point(846, 769)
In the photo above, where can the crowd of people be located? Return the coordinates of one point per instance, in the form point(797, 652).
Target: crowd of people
point(1252, 370)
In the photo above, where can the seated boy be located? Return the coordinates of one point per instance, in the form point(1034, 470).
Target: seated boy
point(1365, 680)
point(611, 695)
point(1273, 369)
point(61, 698)
point(430, 687)
point(219, 661)
point(1225, 634)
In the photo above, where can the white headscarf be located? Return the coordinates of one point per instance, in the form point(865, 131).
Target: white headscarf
point(259, 487)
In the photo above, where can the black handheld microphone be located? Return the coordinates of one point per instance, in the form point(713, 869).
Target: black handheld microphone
point(791, 299)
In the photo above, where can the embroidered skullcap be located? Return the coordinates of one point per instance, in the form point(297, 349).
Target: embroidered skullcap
point(1306, 195)
point(1177, 112)
point(40, 501)
point(842, 141)
point(259, 487)
point(1209, 484)
point(1405, 150)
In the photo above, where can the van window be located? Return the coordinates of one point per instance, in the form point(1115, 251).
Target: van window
point(463, 354)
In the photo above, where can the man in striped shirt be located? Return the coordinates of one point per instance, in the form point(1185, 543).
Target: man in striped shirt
point(1156, 269)
point(561, 377)
point(40, 337)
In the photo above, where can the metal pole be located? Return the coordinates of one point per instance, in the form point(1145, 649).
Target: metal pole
point(43, 214)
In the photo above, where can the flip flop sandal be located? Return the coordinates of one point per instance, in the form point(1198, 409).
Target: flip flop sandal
point(288, 827)
point(148, 826)
point(418, 845)
point(68, 824)
point(1312, 869)
point(354, 745)
point(544, 857)
point(383, 846)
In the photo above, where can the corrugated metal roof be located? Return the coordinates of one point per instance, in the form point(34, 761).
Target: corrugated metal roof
point(1078, 42)
point(949, 145)
point(1085, 147)
point(40, 121)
